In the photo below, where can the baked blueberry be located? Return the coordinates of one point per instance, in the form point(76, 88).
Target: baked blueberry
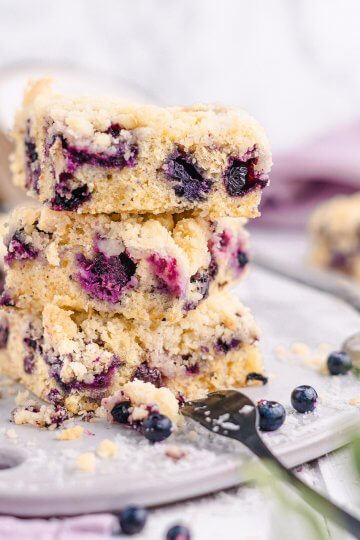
point(304, 398)
point(120, 412)
point(178, 532)
point(69, 195)
point(148, 374)
point(241, 178)
point(242, 259)
point(18, 249)
point(103, 277)
point(132, 520)
point(339, 363)
point(188, 180)
point(4, 333)
point(157, 427)
point(256, 377)
point(271, 414)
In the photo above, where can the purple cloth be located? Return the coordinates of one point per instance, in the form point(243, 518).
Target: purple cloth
point(92, 527)
point(301, 178)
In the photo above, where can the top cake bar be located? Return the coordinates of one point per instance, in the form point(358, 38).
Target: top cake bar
point(103, 156)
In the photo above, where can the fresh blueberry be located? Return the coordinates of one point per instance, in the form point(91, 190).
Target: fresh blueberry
point(178, 532)
point(304, 398)
point(132, 520)
point(272, 415)
point(339, 363)
point(120, 412)
point(157, 427)
point(188, 180)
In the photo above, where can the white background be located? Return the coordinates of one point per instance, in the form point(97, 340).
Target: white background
point(295, 64)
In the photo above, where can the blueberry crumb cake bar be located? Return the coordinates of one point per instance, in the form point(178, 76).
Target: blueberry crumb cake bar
point(74, 359)
point(143, 267)
point(116, 295)
point(103, 156)
point(335, 231)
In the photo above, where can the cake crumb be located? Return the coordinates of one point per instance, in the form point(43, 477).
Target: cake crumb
point(300, 349)
point(70, 434)
point(11, 433)
point(355, 401)
point(139, 413)
point(175, 452)
point(86, 462)
point(21, 397)
point(107, 449)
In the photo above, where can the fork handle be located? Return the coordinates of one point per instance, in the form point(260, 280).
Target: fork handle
point(323, 505)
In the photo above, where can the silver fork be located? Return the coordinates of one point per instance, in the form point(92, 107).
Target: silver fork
point(232, 414)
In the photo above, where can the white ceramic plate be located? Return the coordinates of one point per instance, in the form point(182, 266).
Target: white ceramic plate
point(46, 481)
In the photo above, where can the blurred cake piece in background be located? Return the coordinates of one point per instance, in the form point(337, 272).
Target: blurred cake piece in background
point(335, 231)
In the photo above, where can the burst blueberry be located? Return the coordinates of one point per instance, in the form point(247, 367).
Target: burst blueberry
point(339, 363)
point(120, 412)
point(178, 532)
point(157, 427)
point(187, 177)
point(304, 398)
point(240, 178)
point(148, 374)
point(132, 520)
point(104, 277)
point(271, 414)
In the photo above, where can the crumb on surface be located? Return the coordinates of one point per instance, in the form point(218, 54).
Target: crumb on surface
point(11, 433)
point(175, 452)
point(314, 358)
point(107, 449)
point(70, 434)
point(86, 462)
point(354, 401)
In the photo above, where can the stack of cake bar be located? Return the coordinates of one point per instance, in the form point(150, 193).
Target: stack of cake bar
point(123, 272)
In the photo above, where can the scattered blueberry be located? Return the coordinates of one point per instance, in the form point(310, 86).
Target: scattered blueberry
point(339, 363)
point(272, 415)
point(120, 412)
point(304, 398)
point(132, 520)
point(178, 532)
point(189, 182)
point(157, 427)
point(256, 377)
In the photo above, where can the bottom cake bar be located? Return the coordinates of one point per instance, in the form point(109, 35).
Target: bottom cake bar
point(76, 359)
